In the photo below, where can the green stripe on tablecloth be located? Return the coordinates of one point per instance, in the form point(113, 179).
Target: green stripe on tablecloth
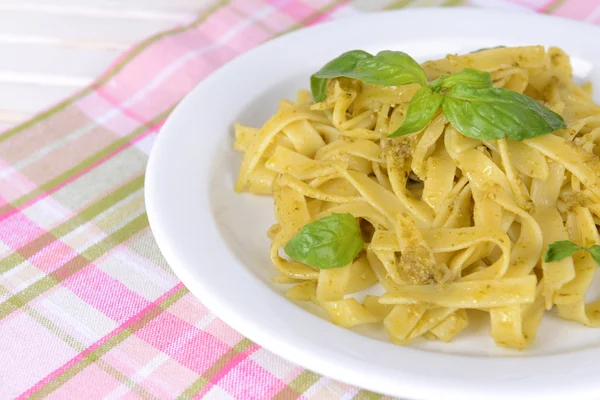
point(399, 4)
point(298, 386)
point(304, 381)
point(110, 73)
point(109, 345)
point(453, 3)
point(366, 395)
point(193, 389)
point(405, 3)
point(73, 266)
point(84, 216)
point(553, 6)
point(286, 393)
point(214, 369)
point(70, 173)
point(79, 347)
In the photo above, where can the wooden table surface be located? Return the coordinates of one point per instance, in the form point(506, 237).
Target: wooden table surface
point(51, 48)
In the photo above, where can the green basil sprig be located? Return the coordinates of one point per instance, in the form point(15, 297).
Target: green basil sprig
point(330, 242)
point(478, 110)
point(386, 68)
point(470, 77)
point(565, 248)
point(467, 98)
point(494, 113)
point(420, 112)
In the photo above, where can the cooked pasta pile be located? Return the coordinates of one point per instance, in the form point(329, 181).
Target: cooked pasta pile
point(450, 223)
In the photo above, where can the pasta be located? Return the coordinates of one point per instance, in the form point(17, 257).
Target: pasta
point(450, 223)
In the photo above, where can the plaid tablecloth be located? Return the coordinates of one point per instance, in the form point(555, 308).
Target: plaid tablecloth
point(88, 306)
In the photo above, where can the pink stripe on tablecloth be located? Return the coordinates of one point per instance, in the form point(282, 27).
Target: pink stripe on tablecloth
point(104, 94)
point(577, 9)
point(14, 183)
point(228, 367)
point(105, 293)
point(542, 7)
point(52, 256)
point(18, 229)
point(154, 128)
point(53, 375)
point(327, 16)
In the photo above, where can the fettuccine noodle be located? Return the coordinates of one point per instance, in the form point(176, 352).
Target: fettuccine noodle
point(451, 223)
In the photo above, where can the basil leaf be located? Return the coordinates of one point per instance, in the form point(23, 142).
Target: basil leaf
point(470, 77)
point(387, 68)
point(595, 252)
point(421, 110)
point(390, 68)
point(318, 87)
point(331, 242)
point(565, 248)
point(559, 250)
point(494, 113)
point(340, 66)
point(343, 64)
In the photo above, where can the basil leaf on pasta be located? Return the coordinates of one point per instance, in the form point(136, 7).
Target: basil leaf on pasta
point(390, 68)
point(494, 113)
point(421, 110)
point(330, 242)
point(565, 248)
point(595, 252)
point(387, 68)
point(318, 87)
point(560, 250)
point(342, 65)
point(469, 77)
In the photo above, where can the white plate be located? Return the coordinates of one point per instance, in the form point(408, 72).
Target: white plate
point(215, 240)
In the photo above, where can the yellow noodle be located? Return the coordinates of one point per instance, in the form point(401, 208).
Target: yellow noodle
point(467, 294)
point(451, 326)
point(403, 318)
point(373, 306)
point(348, 313)
point(286, 161)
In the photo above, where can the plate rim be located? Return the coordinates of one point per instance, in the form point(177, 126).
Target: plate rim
point(415, 385)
